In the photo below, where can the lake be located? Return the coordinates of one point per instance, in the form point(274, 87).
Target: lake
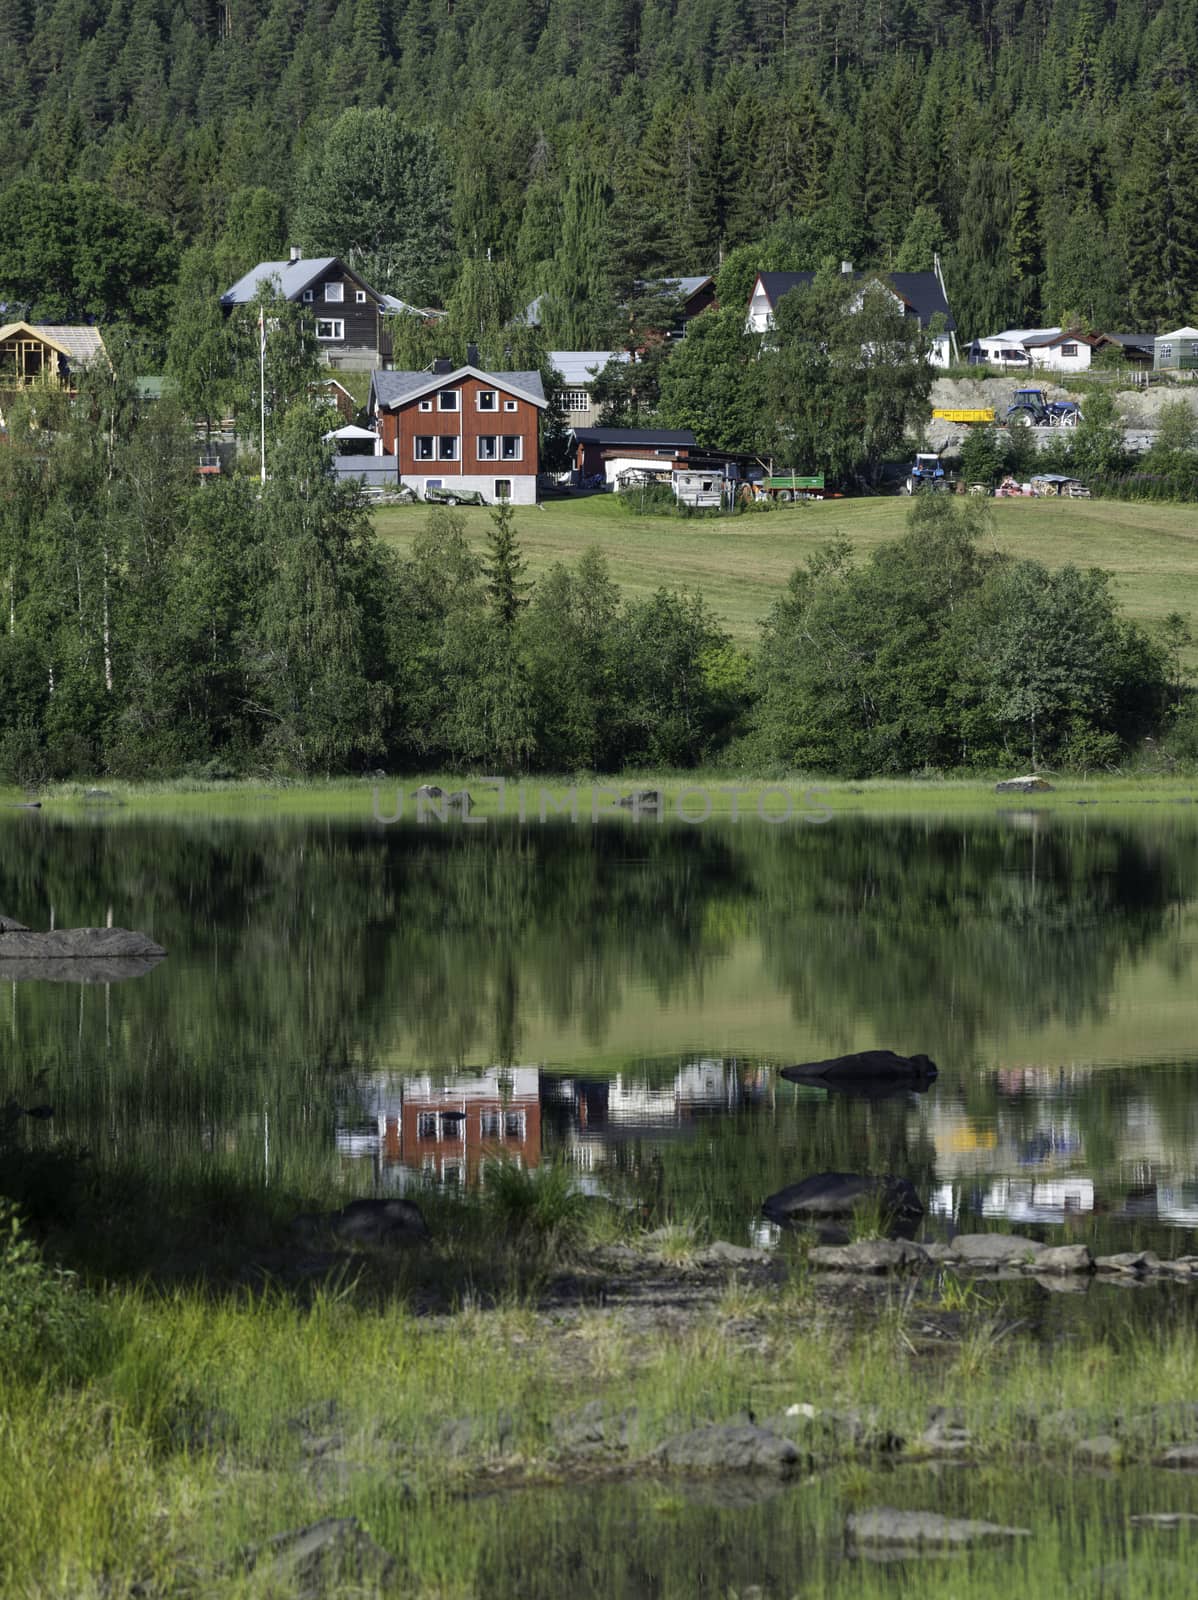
point(367, 1007)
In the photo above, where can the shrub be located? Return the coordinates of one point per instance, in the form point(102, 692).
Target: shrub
point(48, 1324)
point(542, 1203)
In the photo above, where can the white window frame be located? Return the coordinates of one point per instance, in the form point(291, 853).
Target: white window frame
point(576, 399)
point(511, 405)
point(447, 400)
point(490, 1124)
point(426, 1124)
point(426, 405)
point(511, 438)
point(515, 1125)
point(424, 438)
point(360, 297)
point(452, 441)
point(487, 394)
point(1166, 352)
point(503, 488)
point(493, 440)
point(309, 296)
point(334, 294)
point(336, 324)
point(1068, 352)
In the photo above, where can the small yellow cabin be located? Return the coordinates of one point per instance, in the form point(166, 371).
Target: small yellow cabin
point(46, 355)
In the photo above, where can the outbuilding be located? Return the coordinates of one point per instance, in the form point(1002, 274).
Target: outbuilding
point(1176, 351)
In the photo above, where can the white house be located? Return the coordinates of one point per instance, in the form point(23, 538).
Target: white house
point(1042, 349)
point(919, 294)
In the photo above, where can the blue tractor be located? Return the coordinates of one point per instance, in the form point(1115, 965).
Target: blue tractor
point(926, 472)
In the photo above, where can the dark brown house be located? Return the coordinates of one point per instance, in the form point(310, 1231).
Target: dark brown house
point(346, 312)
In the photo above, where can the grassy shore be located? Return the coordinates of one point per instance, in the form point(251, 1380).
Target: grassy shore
point(810, 800)
point(740, 564)
point(148, 1436)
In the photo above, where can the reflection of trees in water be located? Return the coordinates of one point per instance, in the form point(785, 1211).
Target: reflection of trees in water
point(302, 948)
point(939, 932)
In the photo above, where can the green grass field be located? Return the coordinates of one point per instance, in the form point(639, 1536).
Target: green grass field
point(740, 564)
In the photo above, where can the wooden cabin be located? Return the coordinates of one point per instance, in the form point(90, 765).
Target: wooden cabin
point(46, 355)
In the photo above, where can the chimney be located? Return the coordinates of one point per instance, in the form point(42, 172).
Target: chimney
point(295, 253)
point(441, 366)
point(472, 355)
point(846, 268)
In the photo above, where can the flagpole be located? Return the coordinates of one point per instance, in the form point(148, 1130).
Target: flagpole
point(262, 384)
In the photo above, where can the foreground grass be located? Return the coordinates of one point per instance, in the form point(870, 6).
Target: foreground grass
point(206, 1424)
point(741, 564)
point(150, 1434)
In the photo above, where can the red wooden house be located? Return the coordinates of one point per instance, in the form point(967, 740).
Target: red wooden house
point(462, 428)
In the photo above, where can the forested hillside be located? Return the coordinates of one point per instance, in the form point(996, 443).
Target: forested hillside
point(1047, 148)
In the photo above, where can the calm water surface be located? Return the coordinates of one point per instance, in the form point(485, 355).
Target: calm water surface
point(395, 1005)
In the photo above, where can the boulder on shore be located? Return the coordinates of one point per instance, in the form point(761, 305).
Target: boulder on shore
point(76, 955)
point(865, 1068)
point(641, 800)
point(839, 1194)
point(1032, 783)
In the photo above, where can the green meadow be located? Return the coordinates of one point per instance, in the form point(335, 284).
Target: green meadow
point(740, 563)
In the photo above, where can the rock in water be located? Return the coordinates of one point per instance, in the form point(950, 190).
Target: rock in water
point(730, 1447)
point(995, 1250)
point(838, 1194)
point(319, 1560)
point(905, 1529)
point(77, 955)
point(865, 1067)
point(11, 925)
point(868, 1255)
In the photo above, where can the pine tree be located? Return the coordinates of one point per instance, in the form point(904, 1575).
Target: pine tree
point(505, 567)
point(1157, 214)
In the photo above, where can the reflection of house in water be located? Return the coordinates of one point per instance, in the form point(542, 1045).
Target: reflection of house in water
point(588, 1116)
point(446, 1131)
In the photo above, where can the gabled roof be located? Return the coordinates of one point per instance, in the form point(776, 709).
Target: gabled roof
point(293, 278)
point(78, 342)
point(1051, 336)
point(392, 302)
point(920, 292)
point(579, 367)
point(1179, 333)
point(1131, 341)
point(684, 287)
point(394, 389)
point(663, 437)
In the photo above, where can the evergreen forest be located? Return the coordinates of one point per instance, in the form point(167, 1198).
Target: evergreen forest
point(1046, 150)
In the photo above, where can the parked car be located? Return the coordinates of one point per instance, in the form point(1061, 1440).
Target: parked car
point(454, 497)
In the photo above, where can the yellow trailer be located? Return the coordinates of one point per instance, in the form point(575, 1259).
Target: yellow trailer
point(963, 413)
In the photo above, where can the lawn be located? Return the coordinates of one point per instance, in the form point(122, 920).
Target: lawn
point(741, 563)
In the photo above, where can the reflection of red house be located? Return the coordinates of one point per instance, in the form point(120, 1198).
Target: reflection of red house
point(449, 1131)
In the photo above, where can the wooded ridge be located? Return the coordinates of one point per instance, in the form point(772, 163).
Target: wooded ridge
point(1048, 151)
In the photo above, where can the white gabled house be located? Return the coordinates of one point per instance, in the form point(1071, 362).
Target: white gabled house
point(919, 294)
